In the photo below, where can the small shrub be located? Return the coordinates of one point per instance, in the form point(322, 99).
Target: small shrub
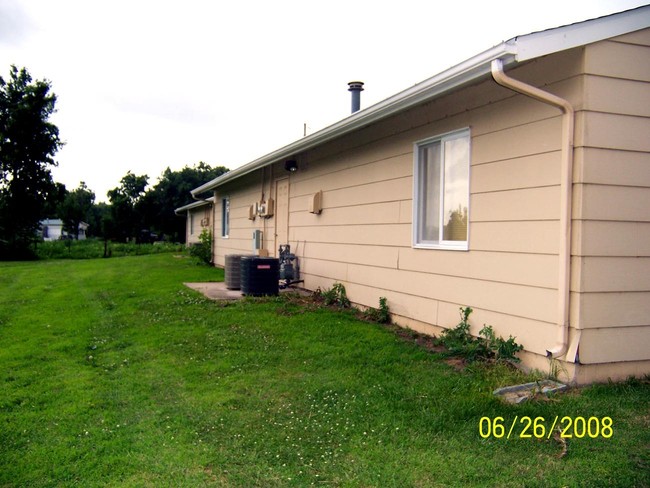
point(335, 296)
point(458, 339)
point(497, 347)
point(487, 346)
point(381, 314)
point(384, 312)
point(203, 249)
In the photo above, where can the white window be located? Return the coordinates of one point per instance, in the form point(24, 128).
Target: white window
point(441, 189)
point(225, 217)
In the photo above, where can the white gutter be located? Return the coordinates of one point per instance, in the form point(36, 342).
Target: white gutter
point(197, 204)
point(566, 190)
point(461, 74)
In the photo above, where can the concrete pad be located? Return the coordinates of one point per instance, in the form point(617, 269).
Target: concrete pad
point(216, 290)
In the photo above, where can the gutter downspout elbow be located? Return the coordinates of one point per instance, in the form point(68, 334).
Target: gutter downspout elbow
point(566, 190)
point(198, 199)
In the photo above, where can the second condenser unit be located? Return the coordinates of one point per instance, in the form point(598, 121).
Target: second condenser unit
point(232, 271)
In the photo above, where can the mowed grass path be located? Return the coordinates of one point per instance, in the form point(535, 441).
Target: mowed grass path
point(112, 373)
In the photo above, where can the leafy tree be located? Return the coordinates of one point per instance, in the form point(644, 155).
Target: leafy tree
point(170, 192)
point(126, 222)
point(76, 207)
point(54, 199)
point(136, 211)
point(99, 215)
point(28, 142)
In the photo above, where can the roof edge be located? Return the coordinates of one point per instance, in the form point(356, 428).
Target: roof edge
point(515, 50)
point(545, 42)
point(453, 77)
point(190, 206)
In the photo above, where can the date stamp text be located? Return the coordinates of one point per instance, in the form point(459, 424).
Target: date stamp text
point(542, 428)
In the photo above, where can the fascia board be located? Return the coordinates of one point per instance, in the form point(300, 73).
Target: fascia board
point(550, 41)
point(193, 205)
point(461, 74)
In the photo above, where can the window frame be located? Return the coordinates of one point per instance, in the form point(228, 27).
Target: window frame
point(417, 241)
point(225, 217)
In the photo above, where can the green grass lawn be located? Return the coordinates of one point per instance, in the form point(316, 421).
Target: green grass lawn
point(112, 373)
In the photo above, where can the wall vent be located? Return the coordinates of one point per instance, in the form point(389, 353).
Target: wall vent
point(316, 203)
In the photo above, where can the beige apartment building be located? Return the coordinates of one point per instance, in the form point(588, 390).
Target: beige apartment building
point(517, 183)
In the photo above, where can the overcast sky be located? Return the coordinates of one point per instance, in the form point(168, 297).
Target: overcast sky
point(147, 84)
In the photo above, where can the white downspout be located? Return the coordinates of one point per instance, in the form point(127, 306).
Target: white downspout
point(566, 190)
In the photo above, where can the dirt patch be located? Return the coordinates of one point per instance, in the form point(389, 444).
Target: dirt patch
point(459, 364)
point(422, 340)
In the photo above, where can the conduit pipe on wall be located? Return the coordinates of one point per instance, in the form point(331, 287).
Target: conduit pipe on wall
point(566, 190)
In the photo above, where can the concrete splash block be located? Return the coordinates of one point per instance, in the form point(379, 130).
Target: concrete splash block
point(520, 393)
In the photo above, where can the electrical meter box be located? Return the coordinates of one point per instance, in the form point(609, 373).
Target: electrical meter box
point(266, 208)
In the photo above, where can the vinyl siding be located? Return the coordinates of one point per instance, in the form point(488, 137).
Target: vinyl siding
point(363, 238)
point(611, 270)
point(196, 221)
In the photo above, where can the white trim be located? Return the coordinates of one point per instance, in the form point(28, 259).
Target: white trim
point(444, 246)
point(549, 41)
point(441, 244)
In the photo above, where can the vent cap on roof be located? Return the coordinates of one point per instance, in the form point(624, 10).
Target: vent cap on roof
point(355, 87)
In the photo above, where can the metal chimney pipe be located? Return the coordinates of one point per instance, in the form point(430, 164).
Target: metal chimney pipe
point(356, 87)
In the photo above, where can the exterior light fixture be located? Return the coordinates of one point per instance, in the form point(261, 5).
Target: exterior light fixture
point(291, 166)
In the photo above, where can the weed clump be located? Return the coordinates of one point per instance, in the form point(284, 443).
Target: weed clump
point(486, 347)
point(381, 314)
point(335, 296)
